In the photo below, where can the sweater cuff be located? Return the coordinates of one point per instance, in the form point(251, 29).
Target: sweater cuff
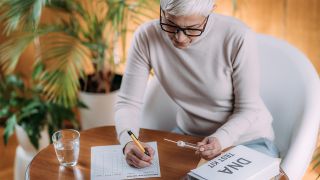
point(223, 137)
point(124, 138)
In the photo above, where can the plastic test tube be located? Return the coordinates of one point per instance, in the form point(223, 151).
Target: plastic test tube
point(184, 144)
point(187, 145)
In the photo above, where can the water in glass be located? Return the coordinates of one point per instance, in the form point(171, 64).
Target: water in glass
point(66, 144)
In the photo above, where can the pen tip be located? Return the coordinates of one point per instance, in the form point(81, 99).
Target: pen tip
point(147, 153)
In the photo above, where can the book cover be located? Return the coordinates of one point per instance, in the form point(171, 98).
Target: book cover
point(241, 163)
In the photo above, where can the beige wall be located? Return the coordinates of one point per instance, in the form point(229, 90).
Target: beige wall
point(296, 21)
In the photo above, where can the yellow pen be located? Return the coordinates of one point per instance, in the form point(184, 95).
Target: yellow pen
point(135, 140)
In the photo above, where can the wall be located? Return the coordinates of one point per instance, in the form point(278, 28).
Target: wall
point(296, 21)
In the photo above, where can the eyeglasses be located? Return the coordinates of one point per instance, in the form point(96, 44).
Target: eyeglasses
point(176, 29)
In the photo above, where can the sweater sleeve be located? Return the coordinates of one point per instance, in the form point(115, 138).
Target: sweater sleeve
point(246, 87)
point(130, 97)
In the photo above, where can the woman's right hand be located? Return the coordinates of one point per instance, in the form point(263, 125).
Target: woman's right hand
point(135, 157)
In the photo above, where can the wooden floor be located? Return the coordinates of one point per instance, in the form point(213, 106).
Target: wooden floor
point(7, 160)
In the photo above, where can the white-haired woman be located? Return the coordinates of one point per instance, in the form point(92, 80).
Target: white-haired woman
point(208, 64)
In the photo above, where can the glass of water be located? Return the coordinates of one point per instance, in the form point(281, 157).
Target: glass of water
point(66, 144)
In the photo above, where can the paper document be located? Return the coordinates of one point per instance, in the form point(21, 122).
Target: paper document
point(108, 162)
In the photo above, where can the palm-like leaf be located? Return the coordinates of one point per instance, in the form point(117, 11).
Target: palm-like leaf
point(12, 49)
point(66, 58)
point(86, 34)
point(20, 14)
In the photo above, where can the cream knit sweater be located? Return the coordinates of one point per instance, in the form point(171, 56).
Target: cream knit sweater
point(215, 81)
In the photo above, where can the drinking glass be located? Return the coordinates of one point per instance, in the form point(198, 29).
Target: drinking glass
point(66, 144)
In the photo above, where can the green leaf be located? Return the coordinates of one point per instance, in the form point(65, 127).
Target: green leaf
point(34, 138)
point(9, 129)
point(74, 123)
point(36, 12)
point(33, 125)
point(317, 156)
point(82, 105)
point(51, 131)
point(11, 50)
point(38, 69)
point(28, 113)
point(31, 105)
point(4, 112)
point(19, 14)
point(15, 81)
point(316, 165)
point(234, 6)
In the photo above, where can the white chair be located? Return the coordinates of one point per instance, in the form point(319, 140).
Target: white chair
point(290, 88)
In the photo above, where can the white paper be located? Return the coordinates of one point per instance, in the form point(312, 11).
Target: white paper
point(108, 162)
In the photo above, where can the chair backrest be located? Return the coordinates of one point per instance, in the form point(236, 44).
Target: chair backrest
point(290, 89)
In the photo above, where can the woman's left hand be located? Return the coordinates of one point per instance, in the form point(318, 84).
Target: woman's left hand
point(209, 148)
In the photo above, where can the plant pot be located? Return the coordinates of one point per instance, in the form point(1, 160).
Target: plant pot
point(25, 151)
point(101, 109)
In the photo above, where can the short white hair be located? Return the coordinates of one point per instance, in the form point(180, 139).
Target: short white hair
point(187, 7)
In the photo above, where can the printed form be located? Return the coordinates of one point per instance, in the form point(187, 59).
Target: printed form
point(108, 162)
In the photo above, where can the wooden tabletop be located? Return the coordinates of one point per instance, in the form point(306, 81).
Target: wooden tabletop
point(175, 162)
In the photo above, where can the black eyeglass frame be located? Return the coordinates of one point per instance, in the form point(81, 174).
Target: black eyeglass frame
point(183, 29)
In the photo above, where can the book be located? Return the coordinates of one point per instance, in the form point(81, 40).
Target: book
point(241, 163)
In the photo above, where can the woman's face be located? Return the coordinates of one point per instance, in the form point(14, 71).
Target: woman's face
point(179, 39)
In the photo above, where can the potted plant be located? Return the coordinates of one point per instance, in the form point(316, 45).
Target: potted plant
point(25, 110)
point(86, 40)
point(26, 107)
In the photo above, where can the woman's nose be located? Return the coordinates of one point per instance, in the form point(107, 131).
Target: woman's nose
point(180, 36)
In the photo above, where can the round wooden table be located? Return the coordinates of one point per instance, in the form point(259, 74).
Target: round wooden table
point(175, 162)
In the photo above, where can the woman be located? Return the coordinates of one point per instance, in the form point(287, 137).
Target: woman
point(208, 64)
